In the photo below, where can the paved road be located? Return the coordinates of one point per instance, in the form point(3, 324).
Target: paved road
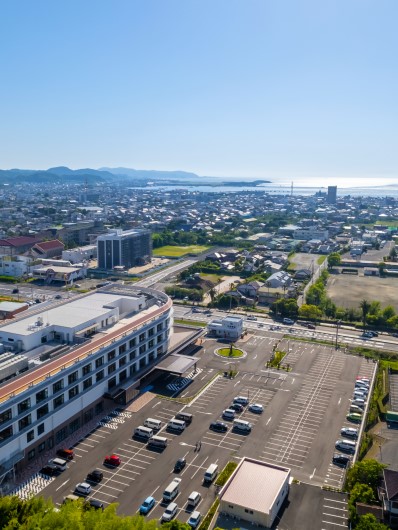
point(349, 337)
point(160, 276)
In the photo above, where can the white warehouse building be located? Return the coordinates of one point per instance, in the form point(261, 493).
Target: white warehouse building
point(97, 347)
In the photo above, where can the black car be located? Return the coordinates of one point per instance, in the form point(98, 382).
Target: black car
point(374, 333)
point(50, 470)
point(218, 426)
point(37, 301)
point(95, 476)
point(180, 464)
point(15, 291)
point(58, 297)
point(237, 407)
point(341, 460)
point(93, 503)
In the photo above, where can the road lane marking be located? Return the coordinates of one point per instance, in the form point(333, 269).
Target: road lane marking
point(63, 484)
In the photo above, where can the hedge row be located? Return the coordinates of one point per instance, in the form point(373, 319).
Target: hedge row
point(226, 473)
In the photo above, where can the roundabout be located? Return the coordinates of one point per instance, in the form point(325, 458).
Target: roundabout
point(230, 352)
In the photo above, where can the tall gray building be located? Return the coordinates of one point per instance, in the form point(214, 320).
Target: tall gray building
point(127, 249)
point(332, 194)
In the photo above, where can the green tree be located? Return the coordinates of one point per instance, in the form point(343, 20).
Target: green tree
point(374, 308)
point(334, 259)
point(366, 472)
point(310, 312)
point(388, 312)
point(393, 254)
point(369, 522)
point(364, 307)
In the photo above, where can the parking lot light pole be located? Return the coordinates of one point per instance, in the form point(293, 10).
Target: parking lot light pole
point(337, 333)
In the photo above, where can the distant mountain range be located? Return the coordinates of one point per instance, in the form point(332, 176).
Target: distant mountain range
point(65, 174)
point(140, 177)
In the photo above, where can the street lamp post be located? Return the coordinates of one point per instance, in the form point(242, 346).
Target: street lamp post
point(337, 333)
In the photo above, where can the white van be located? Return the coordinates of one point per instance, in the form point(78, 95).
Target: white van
point(348, 446)
point(211, 473)
point(143, 432)
point(176, 425)
point(172, 490)
point(59, 462)
point(355, 408)
point(242, 425)
point(194, 499)
point(157, 441)
point(153, 424)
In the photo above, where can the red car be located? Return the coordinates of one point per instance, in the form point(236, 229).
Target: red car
point(112, 460)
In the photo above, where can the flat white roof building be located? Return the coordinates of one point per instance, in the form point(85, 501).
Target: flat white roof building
point(255, 492)
point(229, 327)
point(81, 353)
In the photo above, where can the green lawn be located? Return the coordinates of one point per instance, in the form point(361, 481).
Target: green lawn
point(225, 352)
point(320, 260)
point(177, 252)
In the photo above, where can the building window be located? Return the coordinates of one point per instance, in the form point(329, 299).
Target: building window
point(86, 369)
point(30, 436)
point(133, 342)
point(142, 349)
point(133, 354)
point(87, 383)
point(61, 435)
point(59, 385)
point(142, 337)
point(122, 349)
point(31, 454)
point(99, 362)
point(23, 406)
point(88, 415)
point(123, 375)
point(111, 355)
point(6, 433)
point(73, 391)
point(58, 401)
point(230, 506)
point(159, 327)
point(122, 361)
point(42, 395)
point(99, 375)
point(74, 425)
point(72, 378)
point(112, 383)
point(150, 343)
point(42, 411)
point(40, 429)
point(151, 332)
point(41, 447)
point(111, 368)
point(160, 338)
point(25, 422)
point(159, 351)
point(5, 416)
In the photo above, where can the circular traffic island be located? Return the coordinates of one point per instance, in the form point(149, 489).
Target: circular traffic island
point(230, 353)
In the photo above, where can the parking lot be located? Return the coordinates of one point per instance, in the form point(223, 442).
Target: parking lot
point(304, 411)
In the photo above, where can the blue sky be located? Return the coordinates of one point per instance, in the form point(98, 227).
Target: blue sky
point(250, 88)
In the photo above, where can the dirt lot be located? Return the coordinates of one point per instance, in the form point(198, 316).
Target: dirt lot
point(302, 260)
point(347, 290)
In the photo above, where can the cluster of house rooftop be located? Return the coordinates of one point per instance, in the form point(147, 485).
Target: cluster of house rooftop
point(36, 227)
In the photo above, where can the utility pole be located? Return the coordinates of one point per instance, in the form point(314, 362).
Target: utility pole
point(337, 333)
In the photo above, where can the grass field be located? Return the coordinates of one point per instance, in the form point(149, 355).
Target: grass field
point(177, 252)
point(347, 290)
